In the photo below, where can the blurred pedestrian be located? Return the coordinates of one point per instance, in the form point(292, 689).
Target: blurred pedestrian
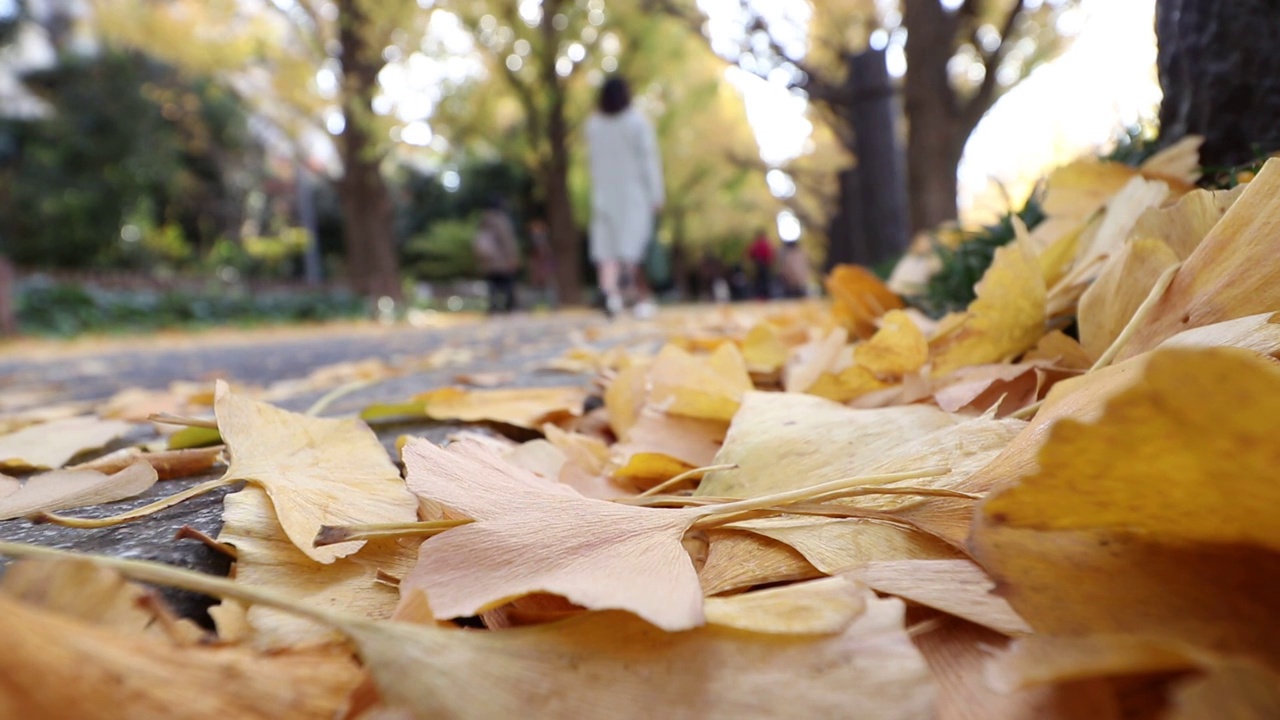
point(497, 255)
point(761, 254)
point(797, 274)
point(626, 193)
point(542, 261)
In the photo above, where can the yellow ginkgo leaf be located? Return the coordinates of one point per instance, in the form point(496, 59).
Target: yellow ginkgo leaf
point(1231, 274)
point(850, 383)
point(66, 489)
point(1005, 320)
point(58, 666)
point(583, 666)
point(859, 298)
point(316, 471)
point(1081, 188)
point(1137, 522)
point(823, 355)
point(265, 557)
point(835, 546)
point(739, 559)
point(822, 606)
point(897, 348)
point(625, 398)
point(528, 408)
point(52, 444)
point(708, 388)
point(956, 587)
point(1183, 225)
point(1123, 283)
point(691, 441)
point(763, 349)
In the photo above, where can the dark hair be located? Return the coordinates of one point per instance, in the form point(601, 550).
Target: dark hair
point(615, 96)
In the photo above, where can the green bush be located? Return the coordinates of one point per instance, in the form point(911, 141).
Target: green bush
point(65, 309)
point(443, 252)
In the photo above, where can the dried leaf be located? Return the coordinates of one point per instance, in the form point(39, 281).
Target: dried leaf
point(739, 559)
point(822, 606)
point(1081, 188)
point(265, 557)
point(66, 489)
point(316, 471)
point(956, 587)
point(625, 397)
point(1123, 284)
point(98, 596)
point(763, 349)
point(1231, 274)
point(60, 667)
point(814, 359)
point(1005, 320)
point(521, 407)
point(1136, 523)
point(1183, 225)
point(532, 536)
point(897, 348)
point(707, 388)
point(54, 443)
point(859, 298)
point(583, 666)
point(687, 440)
point(959, 652)
point(168, 464)
point(835, 546)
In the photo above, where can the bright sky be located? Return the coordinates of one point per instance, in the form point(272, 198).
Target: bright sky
point(1102, 83)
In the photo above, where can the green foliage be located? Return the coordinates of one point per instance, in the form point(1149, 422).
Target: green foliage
point(129, 144)
point(66, 309)
point(951, 289)
point(443, 252)
point(1134, 147)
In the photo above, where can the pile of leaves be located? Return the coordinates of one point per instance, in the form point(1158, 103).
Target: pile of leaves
point(838, 509)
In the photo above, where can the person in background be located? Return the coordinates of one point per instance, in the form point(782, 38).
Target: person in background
point(626, 193)
point(761, 254)
point(497, 255)
point(797, 275)
point(542, 261)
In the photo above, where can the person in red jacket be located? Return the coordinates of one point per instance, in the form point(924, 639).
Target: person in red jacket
point(761, 254)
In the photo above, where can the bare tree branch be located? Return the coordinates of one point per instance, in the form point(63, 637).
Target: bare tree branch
point(985, 95)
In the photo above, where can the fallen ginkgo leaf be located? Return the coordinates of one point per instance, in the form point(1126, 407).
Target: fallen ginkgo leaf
point(52, 444)
point(66, 489)
point(316, 471)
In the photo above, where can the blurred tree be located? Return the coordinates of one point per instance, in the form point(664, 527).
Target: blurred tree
point(1220, 72)
point(273, 53)
point(959, 57)
point(543, 65)
point(132, 164)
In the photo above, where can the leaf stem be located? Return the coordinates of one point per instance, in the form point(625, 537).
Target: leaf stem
point(135, 514)
point(333, 534)
point(687, 474)
point(822, 490)
point(338, 393)
point(161, 574)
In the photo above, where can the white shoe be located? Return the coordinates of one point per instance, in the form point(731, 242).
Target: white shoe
point(645, 309)
point(613, 305)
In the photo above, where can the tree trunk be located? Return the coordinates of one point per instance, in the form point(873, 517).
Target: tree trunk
point(1220, 72)
point(938, 128)
point(367, 211)
point(565, 242)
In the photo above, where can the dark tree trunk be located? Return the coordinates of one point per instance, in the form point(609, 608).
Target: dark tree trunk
point(1220, 71)
point(565, 242)
point(870, 224)
point(367, 210)
point(937, 128)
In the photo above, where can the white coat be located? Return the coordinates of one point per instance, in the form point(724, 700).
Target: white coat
point(626, 184)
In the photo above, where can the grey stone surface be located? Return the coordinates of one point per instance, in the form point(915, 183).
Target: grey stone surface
point(516, 344)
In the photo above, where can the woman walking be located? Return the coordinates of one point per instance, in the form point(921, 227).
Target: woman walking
point(626, 193)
